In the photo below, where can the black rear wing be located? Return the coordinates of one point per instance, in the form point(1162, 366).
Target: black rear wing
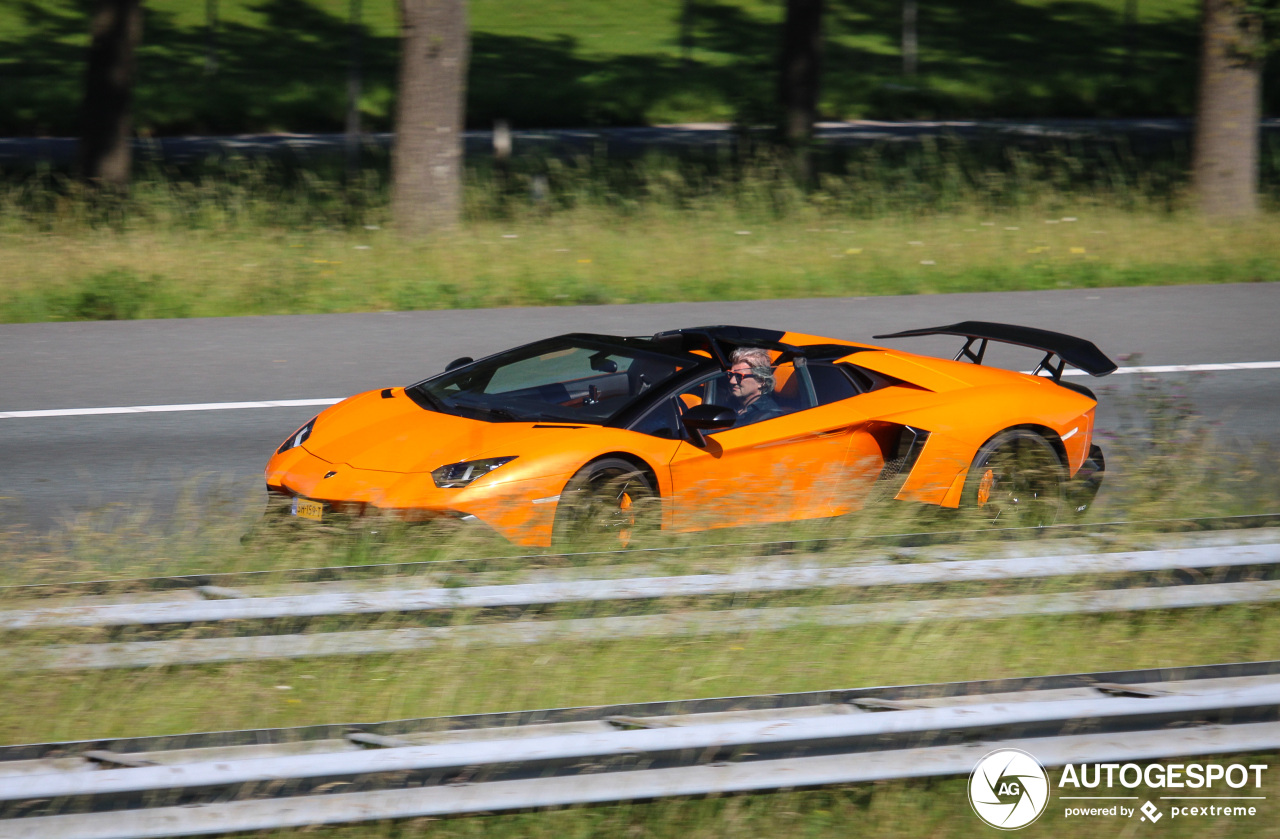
point(1060, 350)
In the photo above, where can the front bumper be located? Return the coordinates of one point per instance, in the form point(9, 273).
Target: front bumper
point(520, 511)
point(283, 508)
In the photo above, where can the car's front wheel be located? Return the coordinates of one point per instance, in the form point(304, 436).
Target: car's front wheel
point(609, 502)
point(1016, 480)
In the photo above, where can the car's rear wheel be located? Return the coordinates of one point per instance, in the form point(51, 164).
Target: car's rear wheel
point(608, 503)
point(1016, 480)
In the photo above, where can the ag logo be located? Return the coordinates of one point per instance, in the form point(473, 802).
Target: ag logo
point(1008, 789)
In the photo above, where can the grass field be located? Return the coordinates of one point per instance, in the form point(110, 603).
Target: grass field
point(587, 260)
point(281, 65)
point(710, 257)
point(245, 238)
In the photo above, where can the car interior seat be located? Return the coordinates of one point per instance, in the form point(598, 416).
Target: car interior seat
point(788, 391)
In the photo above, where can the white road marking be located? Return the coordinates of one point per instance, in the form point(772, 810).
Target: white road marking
point(160, 409)
point(299, 403)
point(1189, 368)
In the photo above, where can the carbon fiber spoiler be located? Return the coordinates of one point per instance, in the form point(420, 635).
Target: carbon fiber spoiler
point(1068, 349)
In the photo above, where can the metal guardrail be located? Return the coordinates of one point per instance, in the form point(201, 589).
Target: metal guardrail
point(992, 536)
point(362, 642)
point(203, 650)
point(205, 784)
point(237, 605)
point(758, 736)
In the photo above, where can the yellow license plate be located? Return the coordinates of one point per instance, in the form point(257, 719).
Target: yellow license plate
point(308, 509)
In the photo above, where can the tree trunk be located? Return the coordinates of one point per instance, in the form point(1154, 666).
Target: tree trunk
point(106, 153)
point(1225, 164)
point(355, 73)
point(910, 38)
point(799, 76)
point(426, 189)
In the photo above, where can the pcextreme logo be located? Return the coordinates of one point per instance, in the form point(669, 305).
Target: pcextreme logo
point(1009, 789)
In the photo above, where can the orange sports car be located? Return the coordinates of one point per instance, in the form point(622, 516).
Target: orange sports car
point(707, 427)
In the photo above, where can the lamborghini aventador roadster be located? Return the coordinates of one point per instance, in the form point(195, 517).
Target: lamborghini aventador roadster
point(594, 434)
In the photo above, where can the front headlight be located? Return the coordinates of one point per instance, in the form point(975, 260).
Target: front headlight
point(456, 475)
point(298, 437)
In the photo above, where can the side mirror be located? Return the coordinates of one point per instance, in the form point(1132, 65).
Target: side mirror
point(706, 418)
point(709, 417)
point(459, 362)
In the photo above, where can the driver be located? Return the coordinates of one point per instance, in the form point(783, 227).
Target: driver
point(750, 384)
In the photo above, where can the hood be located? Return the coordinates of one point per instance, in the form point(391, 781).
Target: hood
point(396, 435)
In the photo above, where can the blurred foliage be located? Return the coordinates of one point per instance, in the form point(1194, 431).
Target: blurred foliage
point(281, 65)
point(744, 174)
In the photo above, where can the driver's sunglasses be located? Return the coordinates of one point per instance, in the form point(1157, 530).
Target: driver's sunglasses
point(735, 377)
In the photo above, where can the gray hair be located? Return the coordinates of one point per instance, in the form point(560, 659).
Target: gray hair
point(761, 366)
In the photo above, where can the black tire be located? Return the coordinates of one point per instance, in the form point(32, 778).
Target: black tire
point(1016, 480)
point(609, 502)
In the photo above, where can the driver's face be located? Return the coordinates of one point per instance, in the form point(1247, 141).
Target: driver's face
point(743, 384)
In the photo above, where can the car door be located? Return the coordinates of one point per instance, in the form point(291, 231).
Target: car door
point(793, 466)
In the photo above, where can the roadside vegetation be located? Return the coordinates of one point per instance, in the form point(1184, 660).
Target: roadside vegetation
point(244, 237)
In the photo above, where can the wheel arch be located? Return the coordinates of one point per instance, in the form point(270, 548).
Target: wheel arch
point(1043, 494)
point(568, 521)
point(636, 460)
point(1051, 437)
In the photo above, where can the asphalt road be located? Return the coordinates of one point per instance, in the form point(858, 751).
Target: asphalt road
point(56, 467)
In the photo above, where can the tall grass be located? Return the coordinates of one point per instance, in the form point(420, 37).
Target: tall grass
point(267, 237)
point(745, 176)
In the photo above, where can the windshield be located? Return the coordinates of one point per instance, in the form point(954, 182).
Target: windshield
point(560, 380)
